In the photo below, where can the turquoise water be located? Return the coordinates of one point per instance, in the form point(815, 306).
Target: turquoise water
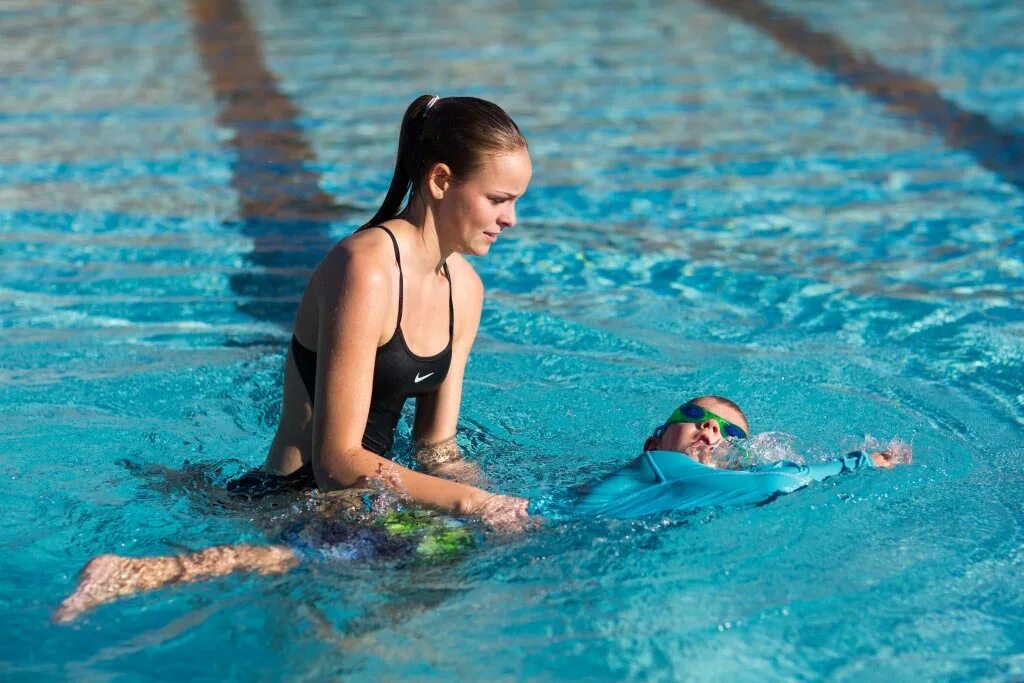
point(709, 213)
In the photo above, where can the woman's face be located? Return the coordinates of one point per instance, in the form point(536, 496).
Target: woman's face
point(474, 211)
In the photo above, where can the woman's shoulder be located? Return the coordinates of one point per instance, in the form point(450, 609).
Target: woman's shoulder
point(465, 281)
point(368, 243)
point(364, 256)
point(467, 295)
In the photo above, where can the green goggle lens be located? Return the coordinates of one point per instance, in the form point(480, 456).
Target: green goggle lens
point(691, 412)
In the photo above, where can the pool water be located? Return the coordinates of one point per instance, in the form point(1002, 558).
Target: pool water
point(712, 211)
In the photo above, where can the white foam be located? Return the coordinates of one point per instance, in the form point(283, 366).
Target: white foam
point(768, 447)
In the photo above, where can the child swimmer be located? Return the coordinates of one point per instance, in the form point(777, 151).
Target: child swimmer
point(704, 429)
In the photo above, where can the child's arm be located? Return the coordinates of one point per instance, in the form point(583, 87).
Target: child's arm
point(848, 463)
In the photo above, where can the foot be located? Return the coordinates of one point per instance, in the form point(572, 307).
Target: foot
point(109, 577)
point(103, 579)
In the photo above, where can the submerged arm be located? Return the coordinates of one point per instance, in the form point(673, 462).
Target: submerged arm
point(445, 460)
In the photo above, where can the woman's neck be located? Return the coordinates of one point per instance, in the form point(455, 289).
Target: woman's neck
point(431, 252)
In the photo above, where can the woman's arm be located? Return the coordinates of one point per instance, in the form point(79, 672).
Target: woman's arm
point(437, 414)
point(353, 308)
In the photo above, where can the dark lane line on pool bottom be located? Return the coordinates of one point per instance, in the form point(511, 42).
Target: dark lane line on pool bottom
point(998, 150)
point(280, 202)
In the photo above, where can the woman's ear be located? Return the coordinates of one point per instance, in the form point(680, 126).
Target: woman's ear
point(652, 444)
point(439, 178)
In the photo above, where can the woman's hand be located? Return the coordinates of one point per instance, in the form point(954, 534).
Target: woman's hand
point(504, 514)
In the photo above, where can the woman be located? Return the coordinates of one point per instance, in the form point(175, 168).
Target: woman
point(390, 313)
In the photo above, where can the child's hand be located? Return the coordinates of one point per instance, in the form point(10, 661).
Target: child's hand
point(897, 453)
point(883, 459)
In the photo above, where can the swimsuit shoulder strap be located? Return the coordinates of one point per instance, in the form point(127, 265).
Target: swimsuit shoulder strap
point(451, 304)
point(398, 260)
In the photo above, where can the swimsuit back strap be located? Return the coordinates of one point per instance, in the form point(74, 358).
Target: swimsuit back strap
point(398, 260)
point(451, 304)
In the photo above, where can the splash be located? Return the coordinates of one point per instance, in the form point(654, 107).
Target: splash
point(387, 492)
point(901, 451)
point(768, 447)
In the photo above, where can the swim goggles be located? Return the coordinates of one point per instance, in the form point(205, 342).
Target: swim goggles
point(691, 412)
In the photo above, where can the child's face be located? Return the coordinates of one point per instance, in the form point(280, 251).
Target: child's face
point(699, 440)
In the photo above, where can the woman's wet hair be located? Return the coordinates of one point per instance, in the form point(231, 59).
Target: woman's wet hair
point(457, 131)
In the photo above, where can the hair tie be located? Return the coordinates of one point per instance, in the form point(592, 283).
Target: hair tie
point(431, 103)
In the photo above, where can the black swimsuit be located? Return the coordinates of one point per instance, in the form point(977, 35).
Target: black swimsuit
point(398, 374)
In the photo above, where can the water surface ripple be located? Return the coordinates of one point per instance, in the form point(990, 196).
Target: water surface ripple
point(709, 213)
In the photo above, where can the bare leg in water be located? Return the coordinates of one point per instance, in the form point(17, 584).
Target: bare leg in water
point(109, 577)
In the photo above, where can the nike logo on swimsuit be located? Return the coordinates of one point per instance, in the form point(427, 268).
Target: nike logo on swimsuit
point(420, 379)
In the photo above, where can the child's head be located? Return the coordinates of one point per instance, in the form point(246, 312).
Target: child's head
point(698, 427)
